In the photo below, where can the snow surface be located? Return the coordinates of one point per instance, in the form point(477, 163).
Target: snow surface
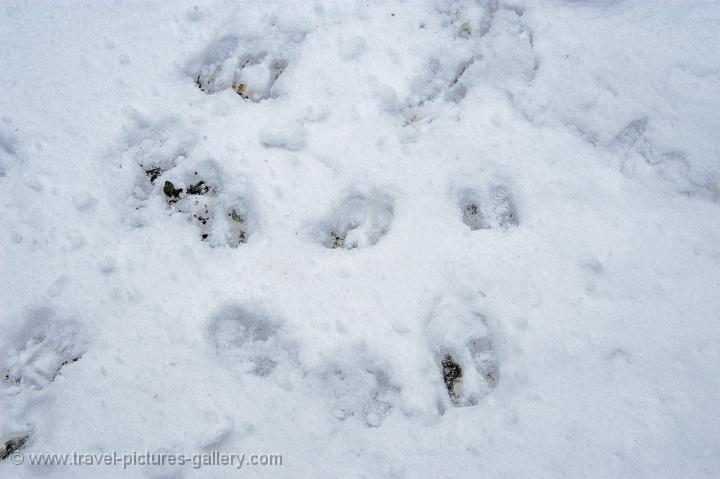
point(368, 187)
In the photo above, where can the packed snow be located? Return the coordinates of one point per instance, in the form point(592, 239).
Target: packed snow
point(432, 238)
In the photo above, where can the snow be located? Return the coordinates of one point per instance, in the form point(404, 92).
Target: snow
point(263, 227)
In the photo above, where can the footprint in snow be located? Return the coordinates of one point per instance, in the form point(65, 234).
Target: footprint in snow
point(251, 340)
point(34, 357)
point(250, 65)
point(189, 183)
point(490, 208)
point(45, 346)
point(356, 386)
point(360, 220)
point(200, 196)
point(464, 350)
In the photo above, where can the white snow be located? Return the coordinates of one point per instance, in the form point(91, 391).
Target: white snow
point(264, 226)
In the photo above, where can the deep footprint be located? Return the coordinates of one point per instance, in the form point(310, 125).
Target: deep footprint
point(464, 350)
point(169, 165)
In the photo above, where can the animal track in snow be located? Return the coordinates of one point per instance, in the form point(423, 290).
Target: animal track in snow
point(359, 221)
point(200, 197)
point(491, 46)
point(33, 358)
point(637, 149)
point(464, 349)
point(357, 388)
point(192, 186)
point(249, 65)
point(252, 341)
point(495, 65)
point(46, 346)
point(493, 207)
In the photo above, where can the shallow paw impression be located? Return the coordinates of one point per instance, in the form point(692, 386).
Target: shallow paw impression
point(251, 341)
point(359, 221)
point(491, 46)
point(464, 350)
point(494, 66)
point(359, 389)
point(486, 209)
point(250, 66)
point(39, 354)
point(638, 151)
